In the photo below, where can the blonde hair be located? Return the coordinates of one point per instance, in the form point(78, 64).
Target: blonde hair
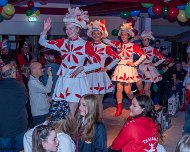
point(88, 130)
point(65, 125)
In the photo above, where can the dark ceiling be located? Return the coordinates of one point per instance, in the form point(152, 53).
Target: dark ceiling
point(94, 7)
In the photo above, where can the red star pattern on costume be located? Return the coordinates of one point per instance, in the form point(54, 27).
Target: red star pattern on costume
point(78, 96)
point(58, 42)
point(90, 51)
point(148, 54)
point(99, 88)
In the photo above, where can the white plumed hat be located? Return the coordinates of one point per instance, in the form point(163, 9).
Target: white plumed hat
point(147, 34)
point(126, 27)
point(77, 17)
point(97, 25)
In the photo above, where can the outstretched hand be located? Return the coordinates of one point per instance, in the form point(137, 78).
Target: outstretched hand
point(47, 25)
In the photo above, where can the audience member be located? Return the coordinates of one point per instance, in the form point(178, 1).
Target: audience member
point(158, 45)
point(13, 117)
point(140, 132)
point(25, 56)
point(25, 74)
point(61, 124)
point(25, 78)
point(183, 144)
point(90, 134)
point(168, 82)
point(4, 47)
point(180, 75)
point(39, 99)
point(44, 139)
point(50, 62)
point(186, 127)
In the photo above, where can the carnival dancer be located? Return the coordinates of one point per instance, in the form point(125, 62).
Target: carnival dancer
point(99, 80)
point(147, 71)
point(72, 83)
point(126, 72)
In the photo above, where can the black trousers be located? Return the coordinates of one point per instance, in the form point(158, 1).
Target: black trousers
point(164, 92)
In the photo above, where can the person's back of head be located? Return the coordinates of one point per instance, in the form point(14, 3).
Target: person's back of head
point(26, 68)
point(44, 139)
point(184, 144)
point(36, 69)
point(8, 71)
point(50, 58)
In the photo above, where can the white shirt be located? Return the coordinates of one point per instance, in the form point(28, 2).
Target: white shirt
point(66, 144)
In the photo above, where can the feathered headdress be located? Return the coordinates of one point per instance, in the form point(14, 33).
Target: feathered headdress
point(147, 34)
point(128, 28)
point(97, 25)
point(77, 17)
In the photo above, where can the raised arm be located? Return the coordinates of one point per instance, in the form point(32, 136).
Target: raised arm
point(52, 44)
point(39, 87)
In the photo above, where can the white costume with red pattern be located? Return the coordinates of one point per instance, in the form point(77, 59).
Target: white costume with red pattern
point(124, 72)
point(73, 53)
point(147, 70)
point(100, 82)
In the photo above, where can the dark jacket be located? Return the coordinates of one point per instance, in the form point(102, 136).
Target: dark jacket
point(13, 117)
point(98, 144)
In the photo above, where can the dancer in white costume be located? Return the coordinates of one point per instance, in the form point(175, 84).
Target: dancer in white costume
point(126, 72)
point(99, 80)
point(72, 83)
point(147, 71)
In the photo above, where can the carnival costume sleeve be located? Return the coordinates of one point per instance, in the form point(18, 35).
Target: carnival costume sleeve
point(159, 56)
point(93, 58)
point(140, 53)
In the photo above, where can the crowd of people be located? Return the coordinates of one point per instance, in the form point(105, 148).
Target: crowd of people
point(55, 103)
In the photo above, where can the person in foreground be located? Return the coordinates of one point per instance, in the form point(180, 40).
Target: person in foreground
point(184, 144)
point(90, 134)
point(44, 139)
point(140, 132)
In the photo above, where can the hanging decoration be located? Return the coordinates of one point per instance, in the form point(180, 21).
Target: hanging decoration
point(115, 32)
point(157, 9)
point(165, 11)
point(181, 16)
point(32, 10)
point(124, 15)
point(173, 12)
point(147, 5)
point(150, 12)
point(6, 10)
point(181, 13)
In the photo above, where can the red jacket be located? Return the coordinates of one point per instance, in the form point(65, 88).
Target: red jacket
point(23, 60)
point(138, 135)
